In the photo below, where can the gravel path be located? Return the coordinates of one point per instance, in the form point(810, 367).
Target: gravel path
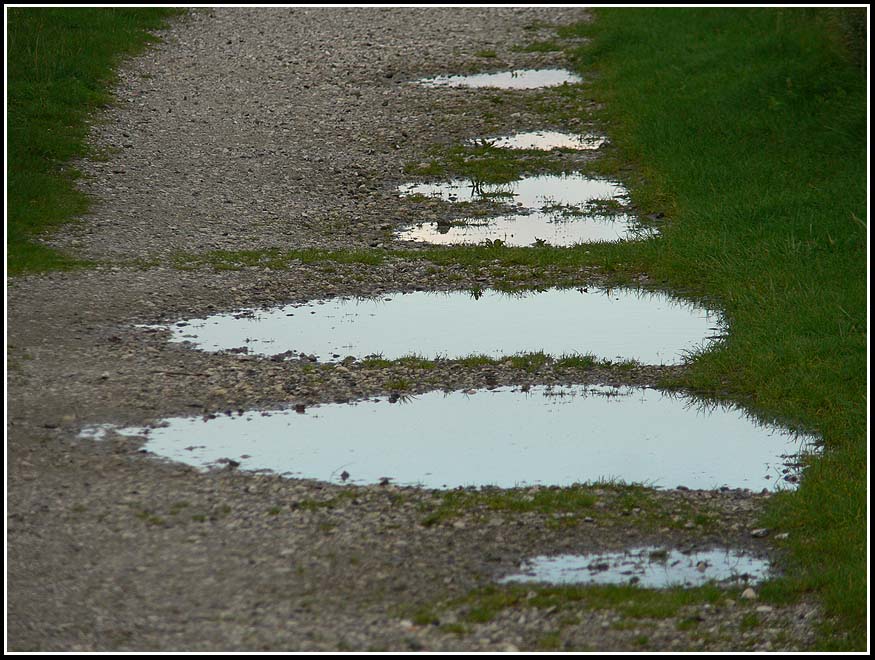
point(290, 128)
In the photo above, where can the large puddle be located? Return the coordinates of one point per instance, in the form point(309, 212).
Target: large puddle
point(559, 210)
point(545, 141)
point(518, 79)
point(503, 437)
point(622, 324)
point(651, 567)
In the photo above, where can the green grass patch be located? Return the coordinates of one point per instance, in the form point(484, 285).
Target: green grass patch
point(747, 128)
point(487, 164)
point(549, 641)
point(59, 70)
point(531, 362)
point(622, 263)
point(554, 500)
point(484, 604)
point(628, 504)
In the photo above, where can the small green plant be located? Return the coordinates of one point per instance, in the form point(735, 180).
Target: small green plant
point(749, 621)
point(550, 641)
point(398, 384)
point(539, 47)
point(178, 507)
point(455, 628)
point(150, 518)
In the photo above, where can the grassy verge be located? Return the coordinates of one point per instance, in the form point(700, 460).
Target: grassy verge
point(748, 130)
point(59, 70)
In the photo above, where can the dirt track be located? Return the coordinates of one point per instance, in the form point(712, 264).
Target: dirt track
point(287, 128)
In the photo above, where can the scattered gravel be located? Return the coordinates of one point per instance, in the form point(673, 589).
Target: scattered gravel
point(289, 128)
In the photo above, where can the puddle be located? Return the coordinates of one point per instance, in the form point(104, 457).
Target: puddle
point(527, 230)
point(560, 210)
point(545, 141)
point(533, 192)
point(652, 567)
point(503, 437)
point(518, 79)
point(623, 324)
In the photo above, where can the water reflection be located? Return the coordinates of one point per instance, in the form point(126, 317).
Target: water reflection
point(504, 437)
point(557, 210)
point(531, 229)
point(617, 324)
point(544, 141)
point(649, 567)
point(532, 192)
point(518, 79)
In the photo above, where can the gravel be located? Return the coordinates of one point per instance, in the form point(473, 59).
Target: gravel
point(289, 128)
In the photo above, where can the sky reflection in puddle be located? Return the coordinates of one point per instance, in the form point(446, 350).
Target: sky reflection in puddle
point(651, 567)
point(544, 141)
point(623, 324)
point(518, 79)
point(503, 437)
point(527, 230)
point(532, 192)
point(559, 210)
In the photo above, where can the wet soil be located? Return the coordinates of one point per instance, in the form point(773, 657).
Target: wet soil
point(289, 128)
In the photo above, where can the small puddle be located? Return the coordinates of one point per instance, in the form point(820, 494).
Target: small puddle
point(518, 79)
point(503, 437)
point(532, 192)
point(560, 210)
point(623, 324)
point(651, 567)
point(545, 141)
point(527, 230)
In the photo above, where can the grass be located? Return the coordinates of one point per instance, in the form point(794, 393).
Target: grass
point(545, 46)
point(455, 503)
point(487, 164)
point(531, 362)
point(610, 257)
point(570, 506)
point(747, 129)
point(484, 604)
point(59, 68)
